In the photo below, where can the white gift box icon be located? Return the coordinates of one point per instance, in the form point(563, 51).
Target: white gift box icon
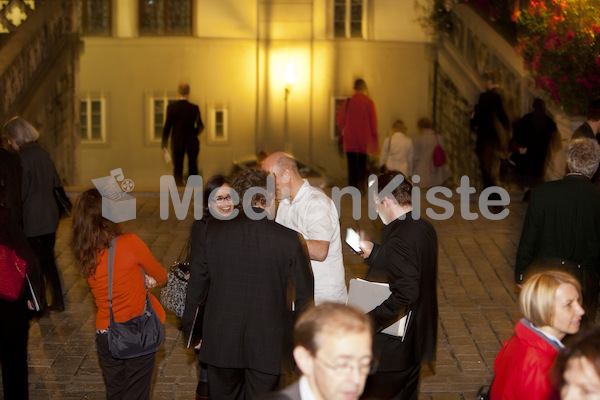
point(117, 206)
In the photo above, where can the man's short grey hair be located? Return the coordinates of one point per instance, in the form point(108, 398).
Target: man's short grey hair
point(582, 156)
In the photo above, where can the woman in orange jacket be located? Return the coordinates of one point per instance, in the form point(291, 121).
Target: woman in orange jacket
point(92, 233)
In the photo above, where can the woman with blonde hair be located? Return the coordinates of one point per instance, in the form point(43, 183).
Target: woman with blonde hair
point(397, 152)
point(550, 303)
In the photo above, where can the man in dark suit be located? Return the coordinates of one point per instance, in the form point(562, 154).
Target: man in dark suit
point(333, 351)
point(242, 274)
point(183, 118)
point(491, 125)
point(562, 225)
point(407, 260)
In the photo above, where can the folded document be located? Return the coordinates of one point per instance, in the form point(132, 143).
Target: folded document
point(366, 295)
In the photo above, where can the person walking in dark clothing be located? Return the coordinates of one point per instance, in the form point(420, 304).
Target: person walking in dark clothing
point(533, 135)
point(40, 211)
point(183, 124)
point(491, 125)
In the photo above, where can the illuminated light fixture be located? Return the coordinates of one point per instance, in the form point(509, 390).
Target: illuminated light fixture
point(290, 76)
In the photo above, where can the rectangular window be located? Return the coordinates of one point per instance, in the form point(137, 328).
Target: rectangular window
point(165, 17)
point(92, 118)
point(217, 126)
point(94, 17)
point(157, 106)
point(348, 17)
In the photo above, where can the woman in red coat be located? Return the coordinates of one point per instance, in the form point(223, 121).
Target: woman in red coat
point(550, 302)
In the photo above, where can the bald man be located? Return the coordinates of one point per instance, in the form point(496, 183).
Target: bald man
point(308, 210)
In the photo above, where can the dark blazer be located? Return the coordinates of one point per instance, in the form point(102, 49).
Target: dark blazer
point(184, 119)
point(489, 111)
point(563, 224)
point(407, 260)
point(292, 392)
point(11, 178)
point(40, 211)
point(242, 273)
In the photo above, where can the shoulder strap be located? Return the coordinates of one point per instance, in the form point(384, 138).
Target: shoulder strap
point(111, 261)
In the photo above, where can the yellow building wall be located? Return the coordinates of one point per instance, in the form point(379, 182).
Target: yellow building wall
point(237, 61)
point(221, 73)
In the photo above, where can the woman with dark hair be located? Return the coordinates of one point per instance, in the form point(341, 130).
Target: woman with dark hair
point(40, 211)
point(550, 303)
point(217, 204)
point(577, 368)
point(135, 271)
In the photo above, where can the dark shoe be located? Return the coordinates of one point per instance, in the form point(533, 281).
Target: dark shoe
point(58, 308)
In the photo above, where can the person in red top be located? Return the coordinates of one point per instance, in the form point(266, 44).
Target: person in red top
point(131, 378)
point(550, 302)
point(357, 121)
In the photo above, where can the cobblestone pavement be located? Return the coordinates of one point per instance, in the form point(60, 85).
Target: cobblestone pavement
point(477, 300)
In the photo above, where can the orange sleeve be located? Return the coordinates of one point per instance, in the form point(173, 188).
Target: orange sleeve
point(147, 261)
point(129, 291)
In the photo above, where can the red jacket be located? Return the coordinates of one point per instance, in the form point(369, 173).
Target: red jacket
point(523, 364)
point(359, 119)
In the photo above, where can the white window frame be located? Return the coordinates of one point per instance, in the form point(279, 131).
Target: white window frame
point(213, 132)
point(151, 99)
point(348, 21)
point(88, 99)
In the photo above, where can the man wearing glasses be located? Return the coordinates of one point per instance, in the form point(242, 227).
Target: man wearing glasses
point(407, 260)
point(333, 350)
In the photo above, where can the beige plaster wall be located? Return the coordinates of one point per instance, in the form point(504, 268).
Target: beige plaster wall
point(221, 73)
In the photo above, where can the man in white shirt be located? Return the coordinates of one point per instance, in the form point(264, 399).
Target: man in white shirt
point(333, 351)
point(309, 211)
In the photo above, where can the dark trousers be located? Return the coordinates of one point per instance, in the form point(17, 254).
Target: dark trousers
point(239, 383)
point(125, 379)
point(178, 156)
point(357, 170)
point(489, 162)
point(14, 330)
point(393, 385)
point(43, 248)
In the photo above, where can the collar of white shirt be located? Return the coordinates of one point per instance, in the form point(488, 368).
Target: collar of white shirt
point(306, 392)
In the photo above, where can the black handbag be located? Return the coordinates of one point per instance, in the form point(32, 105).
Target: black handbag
point(63, 202)
point(139, 336)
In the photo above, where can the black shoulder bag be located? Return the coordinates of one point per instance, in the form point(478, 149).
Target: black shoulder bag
point(139, 336)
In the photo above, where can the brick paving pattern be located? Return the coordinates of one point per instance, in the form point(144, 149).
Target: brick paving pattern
point(477, 300)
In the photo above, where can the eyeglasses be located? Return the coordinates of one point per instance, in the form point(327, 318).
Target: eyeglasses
point(345, 367)
point(222, 199)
